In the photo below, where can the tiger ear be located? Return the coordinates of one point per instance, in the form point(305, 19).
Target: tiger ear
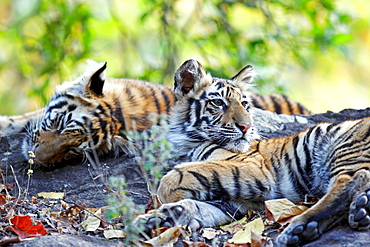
point(245, 75)
point(190, 75)
point(97, 79)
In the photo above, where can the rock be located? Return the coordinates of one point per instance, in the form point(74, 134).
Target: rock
point(66, 240)
point(340, 236)
point(83, 184)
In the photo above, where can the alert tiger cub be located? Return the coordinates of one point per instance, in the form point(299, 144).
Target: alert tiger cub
point(91, 112)
point(213, 119)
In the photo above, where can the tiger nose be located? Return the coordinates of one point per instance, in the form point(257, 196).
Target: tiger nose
point(244, 127)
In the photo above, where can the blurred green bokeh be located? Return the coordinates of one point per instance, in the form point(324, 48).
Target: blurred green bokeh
point(293, 44)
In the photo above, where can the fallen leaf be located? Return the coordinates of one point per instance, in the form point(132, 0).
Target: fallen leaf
point(194, 244)
point(51, 195)
point(159, 231)
point(235, 226)
point(108, 234)
point(282, 210)
point(24, 227)
point(71, 212)
point(211, 233)
point(167, 238)
point(92, 222)
point(243, 236)
point(236, 245)
point(258, 240)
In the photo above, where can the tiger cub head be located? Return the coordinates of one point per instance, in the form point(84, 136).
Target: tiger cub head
point(76, 119)
point(210, 109)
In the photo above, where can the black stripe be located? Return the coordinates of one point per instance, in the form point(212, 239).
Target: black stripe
point(202, 180)
point(301, 173)
point(298, 163)
point(350, 170)
point(276, 104)
point(318, 134)
point(58, 105)
point(157, 104)
point(343, 155)
point(69, 117)
point(72, 107)
point(180, 174)
point(95, 136)
point(195, 194)
point(237, 187)
point(260, 186)
point(205, 155)
point(232, 157)
point(278, 176)
point(331, 126)
point(118, 114)
point(220, 84)
point(288, 103)
point(131, 97)
point(197, 106)
point(167, 101)
point(351, 173)
point(256, 99)
point(306, 143)
point(218, 191)
point(302, 109)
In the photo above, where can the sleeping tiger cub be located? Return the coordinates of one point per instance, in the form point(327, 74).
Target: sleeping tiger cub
point(90, 113)
point(213, 119)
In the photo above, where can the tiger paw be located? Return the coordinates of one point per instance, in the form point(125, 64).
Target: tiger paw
point(168, 215)
point(296, 235)
point(359, 212)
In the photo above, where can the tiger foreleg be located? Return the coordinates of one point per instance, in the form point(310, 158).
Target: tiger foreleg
point(331, 209)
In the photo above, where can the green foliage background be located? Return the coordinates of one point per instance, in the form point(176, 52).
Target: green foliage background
point(46, 42)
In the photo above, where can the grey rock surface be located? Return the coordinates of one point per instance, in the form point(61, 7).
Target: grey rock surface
point(82, 184)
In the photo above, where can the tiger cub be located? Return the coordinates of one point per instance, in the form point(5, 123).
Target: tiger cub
point(213, 119)
point(90, 113)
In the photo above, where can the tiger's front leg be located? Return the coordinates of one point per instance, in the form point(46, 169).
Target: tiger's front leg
point(332, 208)
point(192, 213)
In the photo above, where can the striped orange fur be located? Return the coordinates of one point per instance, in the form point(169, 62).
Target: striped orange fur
point(330, 161)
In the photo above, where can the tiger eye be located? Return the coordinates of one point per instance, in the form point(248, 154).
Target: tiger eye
point(218, 102)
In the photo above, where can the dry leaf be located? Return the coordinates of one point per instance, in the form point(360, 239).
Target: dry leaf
point(108, 234)
point(210, 233)
point(71, 212)
point(51, 195)
point(244, 236)
point(194, 244)
point(167, 238)
point(25, 227)
point(92, 222)
point(235, 226)
point(282, 210)
point(258, 240)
